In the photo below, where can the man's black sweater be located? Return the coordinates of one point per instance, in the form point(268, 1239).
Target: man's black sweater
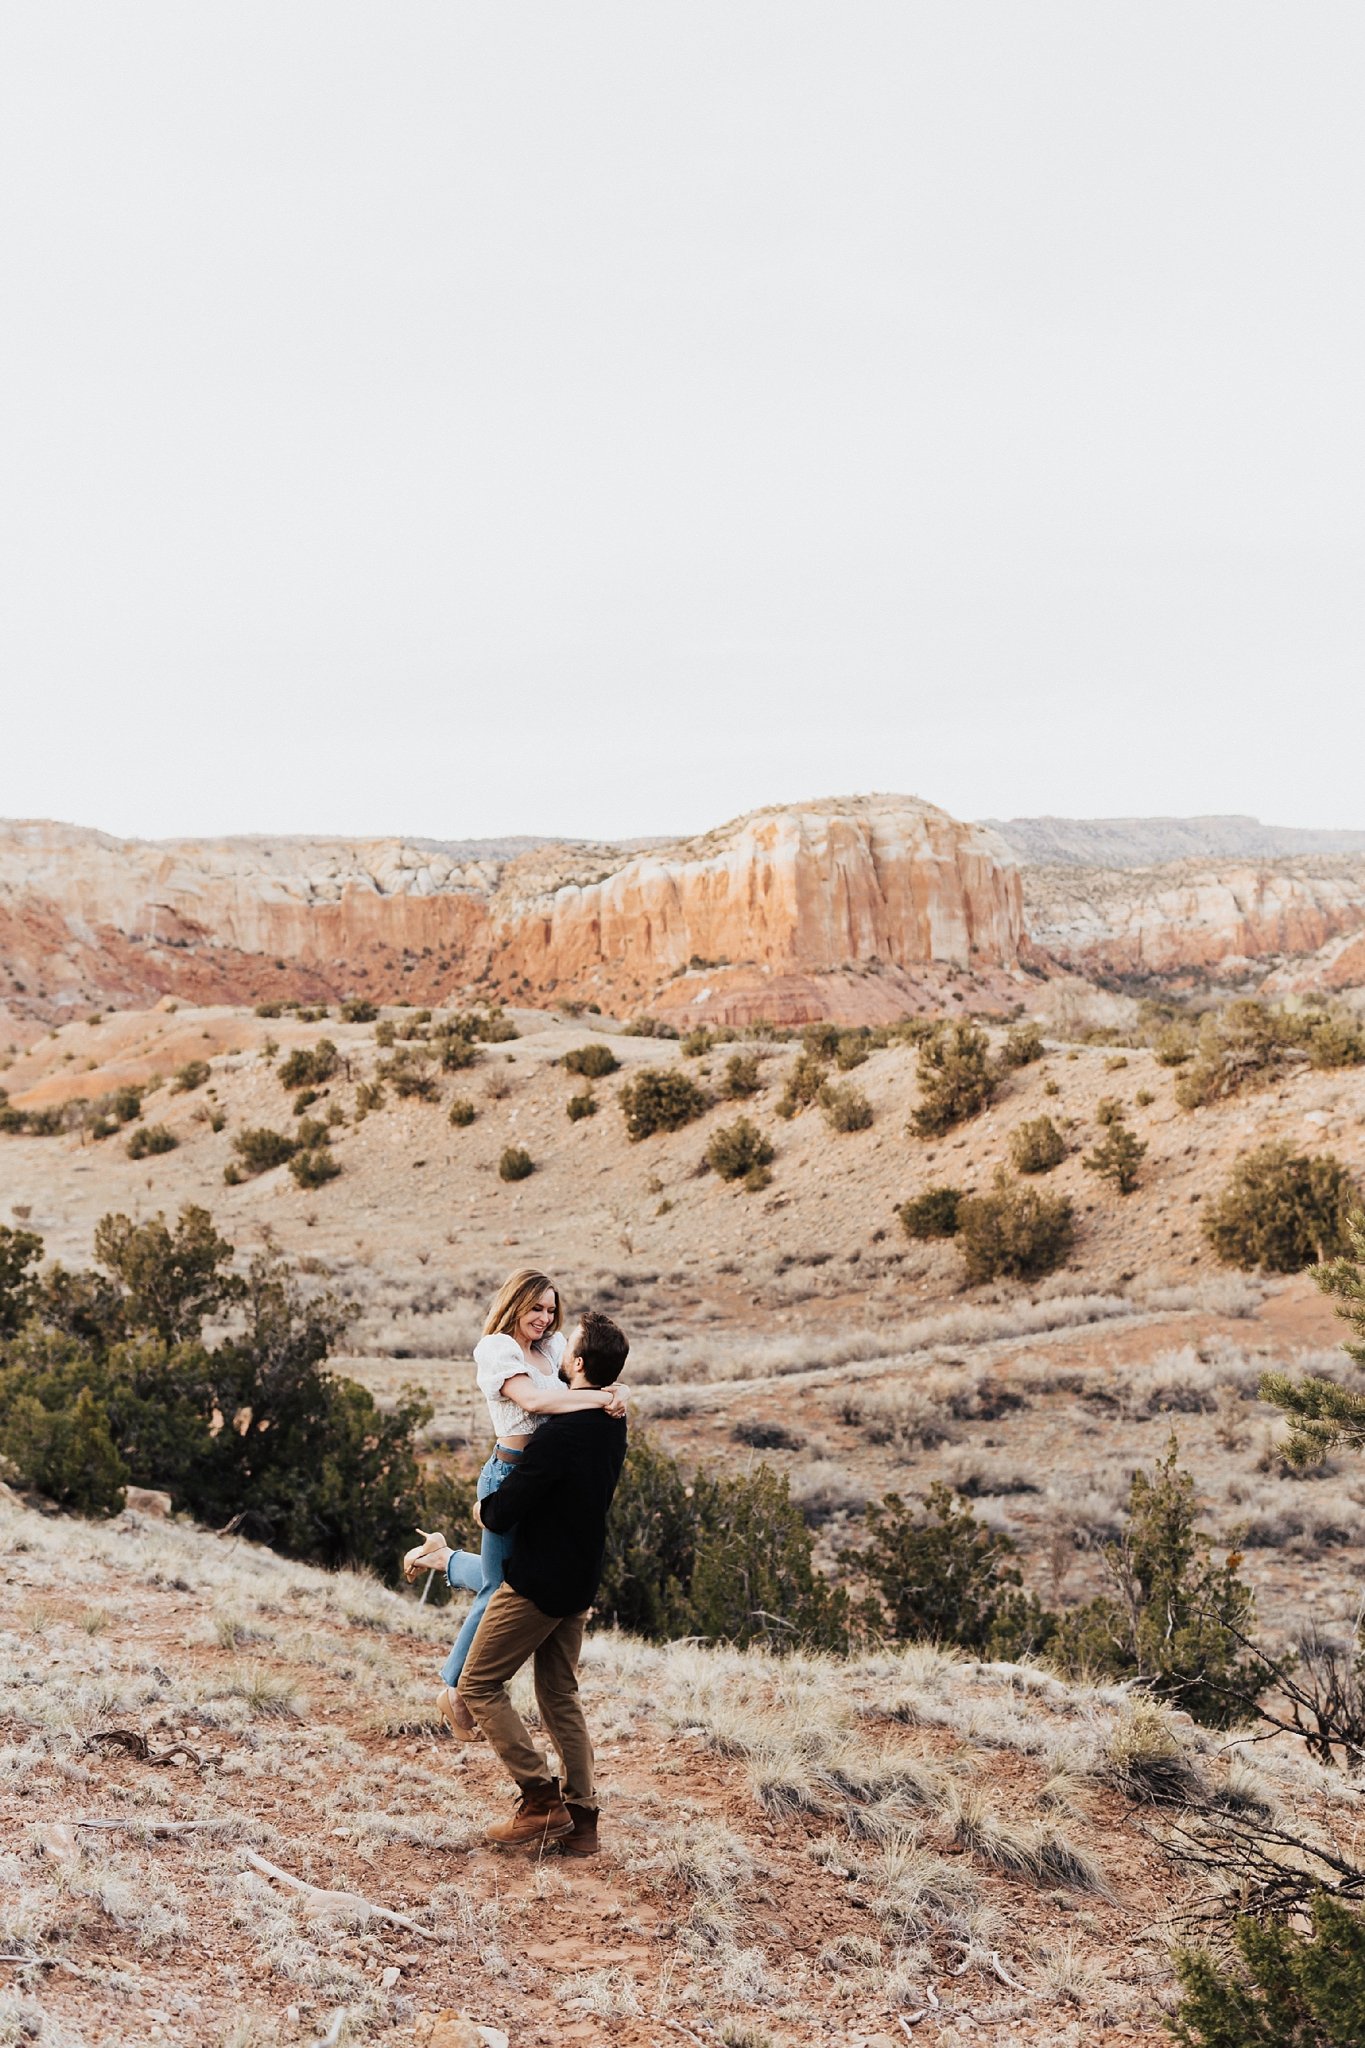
point(557, 1500)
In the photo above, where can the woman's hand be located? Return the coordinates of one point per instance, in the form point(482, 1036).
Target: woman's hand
point(615, 1403)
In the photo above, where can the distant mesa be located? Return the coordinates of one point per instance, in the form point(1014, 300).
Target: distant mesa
point(1153, 842)
point(863, 908)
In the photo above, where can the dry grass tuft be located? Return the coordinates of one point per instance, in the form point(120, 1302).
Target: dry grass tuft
point(1144, 1757)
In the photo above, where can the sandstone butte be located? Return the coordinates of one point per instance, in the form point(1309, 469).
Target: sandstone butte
point(865, 908)
point(860, 908)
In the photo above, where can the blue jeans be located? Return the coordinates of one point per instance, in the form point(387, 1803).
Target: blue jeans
point(479, 1573)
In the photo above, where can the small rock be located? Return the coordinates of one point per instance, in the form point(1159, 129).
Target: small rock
point(388, 1978)
point(144, 1500)
point(453, 2030)
point(59, 1840)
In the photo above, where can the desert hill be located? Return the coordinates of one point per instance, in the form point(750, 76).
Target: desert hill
point(801, 1305)
point(795, 1851)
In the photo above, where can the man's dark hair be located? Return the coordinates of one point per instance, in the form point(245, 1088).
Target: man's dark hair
point(603, 1348)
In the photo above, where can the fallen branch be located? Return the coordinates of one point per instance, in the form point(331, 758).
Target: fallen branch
point(158, 1827)
point(350, 1902)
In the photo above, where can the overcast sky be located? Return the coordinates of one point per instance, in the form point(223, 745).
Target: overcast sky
point(456, 418)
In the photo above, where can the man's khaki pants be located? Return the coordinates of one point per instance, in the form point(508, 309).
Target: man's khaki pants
point(512, 1630)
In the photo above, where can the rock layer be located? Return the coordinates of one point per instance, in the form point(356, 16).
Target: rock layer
point(810, 904)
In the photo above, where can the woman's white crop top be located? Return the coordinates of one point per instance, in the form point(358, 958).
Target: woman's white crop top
point(501, 1358)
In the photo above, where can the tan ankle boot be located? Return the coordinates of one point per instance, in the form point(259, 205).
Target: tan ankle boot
point(582, 1841)
point(541, 1816)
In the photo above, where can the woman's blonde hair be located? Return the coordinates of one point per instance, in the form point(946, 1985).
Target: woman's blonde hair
point(520, 1291)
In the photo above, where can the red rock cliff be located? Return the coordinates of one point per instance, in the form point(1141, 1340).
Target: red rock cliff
point(855, 907)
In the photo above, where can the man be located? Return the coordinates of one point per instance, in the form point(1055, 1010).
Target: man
point(555, 1503)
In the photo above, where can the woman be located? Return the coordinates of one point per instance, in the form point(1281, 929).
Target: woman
point(517, 1361)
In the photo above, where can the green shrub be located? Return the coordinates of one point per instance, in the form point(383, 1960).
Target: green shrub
point(942, 1576)
point(369, 1095)
point(659, 1099)
point(727, 1559)
point(1144, 1098)
point(110, 1381)
point(807, 1075)
point(1334, 1039)
point(462, 1112)
point(1109, 1110)
point(1037, 1146)
point(956, 1080)
point(458, 1053)
point(932, 1214)
point(516, 1163)
point(308, 1067)
point(67, 1453)
point(581, 1105)
point(1321, 1413)
point(1117, 1158)
point(846, 1108)
point(1284, 1987)
point(1174, 1044)
point(651, 1547)
point(314, 1167)
point(593, 1061)
point(694, 1044)
point(739, 1151)
point(126, 1103)
point(1174, 1618)
point(412, 1083)
point(358, 1010)
point(261, 1149)
point(1023, 1044)
point(170, 1281)
point(1281, 1210)
point(20, 1251)
point(1244, 1045)
point(1014, 1233)
point(852, 1050)
point(385, 1034)
point(650, 1027)
point(192, 1075)
point(148, 1139)
point(741, 1078)
point(270, 1009)
point(492, 1024)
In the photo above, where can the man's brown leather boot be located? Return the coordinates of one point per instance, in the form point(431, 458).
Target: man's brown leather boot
point(541, 1817)
point(583, 1839)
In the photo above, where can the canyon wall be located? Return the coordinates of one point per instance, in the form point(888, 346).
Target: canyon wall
point(858, 907)
point(1289, 924)
point(861, 908)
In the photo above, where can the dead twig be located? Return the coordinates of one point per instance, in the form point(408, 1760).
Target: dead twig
point(350, 1902)
point(913, 2019)
point(137, 1745)
point(1005, 1978)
